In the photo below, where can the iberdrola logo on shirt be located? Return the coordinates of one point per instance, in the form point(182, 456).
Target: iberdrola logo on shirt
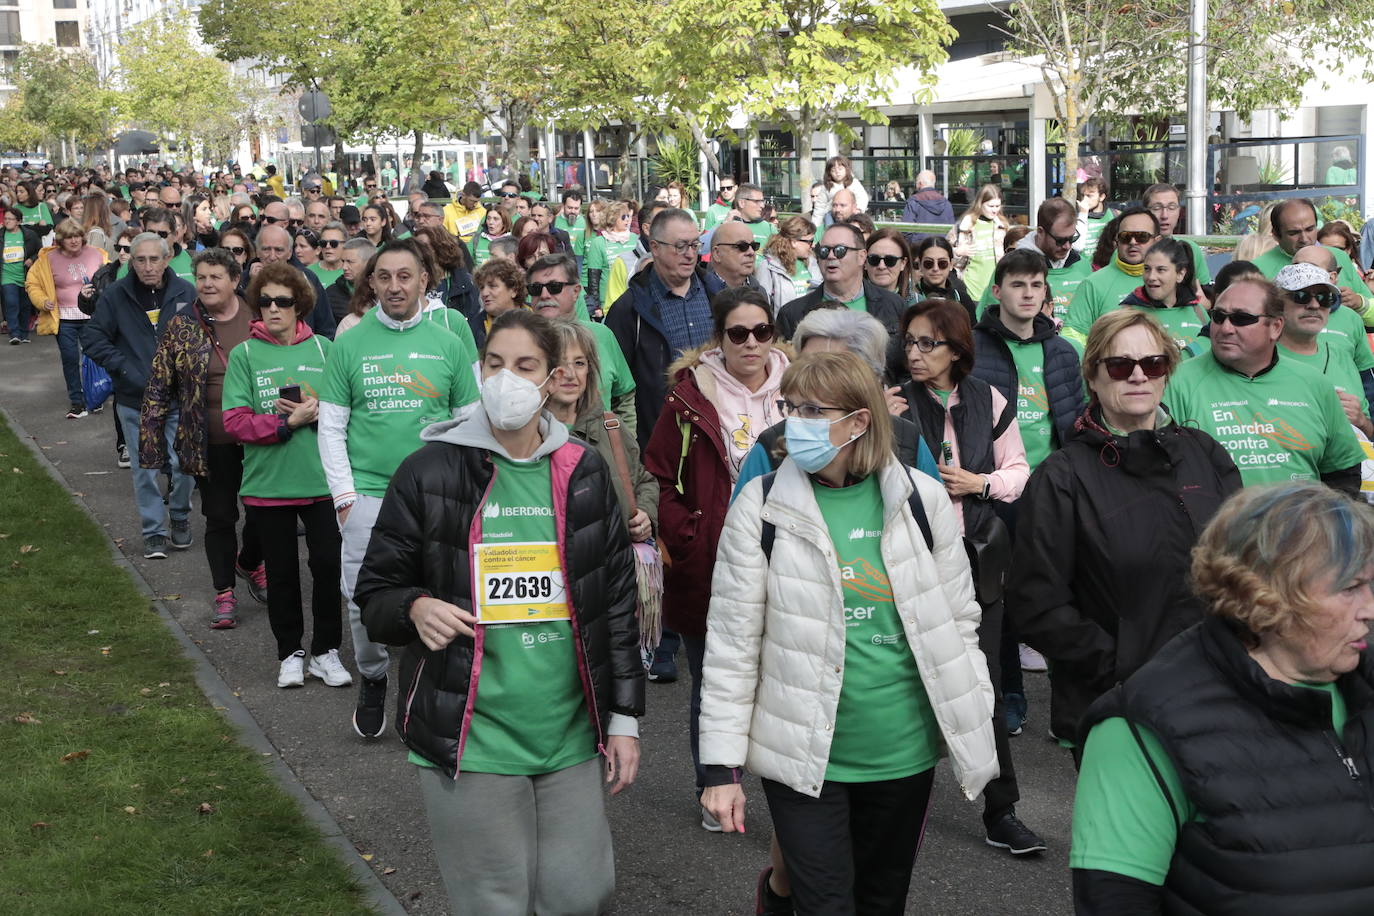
point(492, 509)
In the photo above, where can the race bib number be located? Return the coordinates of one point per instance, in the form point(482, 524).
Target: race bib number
point(14, 254)
point(519, 583)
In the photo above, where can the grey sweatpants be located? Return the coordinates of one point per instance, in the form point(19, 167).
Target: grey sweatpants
point(515, 845)
point(371, 656)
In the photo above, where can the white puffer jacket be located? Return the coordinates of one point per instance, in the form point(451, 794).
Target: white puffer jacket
point(775, 640)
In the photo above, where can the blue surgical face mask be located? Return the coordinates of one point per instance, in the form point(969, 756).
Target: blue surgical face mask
point(808, 442)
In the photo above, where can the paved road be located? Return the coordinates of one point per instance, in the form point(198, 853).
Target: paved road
point(666, 864)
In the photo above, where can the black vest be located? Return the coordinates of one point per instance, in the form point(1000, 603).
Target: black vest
point(1286, 828)
point(975, 429)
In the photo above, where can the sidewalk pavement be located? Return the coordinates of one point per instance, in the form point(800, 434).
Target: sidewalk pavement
point(665, 863)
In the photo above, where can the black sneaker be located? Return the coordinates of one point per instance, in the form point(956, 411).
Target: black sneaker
point(76, 412)
point(181, 533)
point(256, 579)
point(1016, 710)
point(663, 669)
point(369, 719)
point(155, 547)
point(767, 902)
point(1015, 837)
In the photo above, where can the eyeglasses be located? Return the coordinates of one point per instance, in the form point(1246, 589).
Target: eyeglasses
point(887, 260)
point(933, 264)
point(331, 243)
point(1120, 368)
point(739, 334)
point(555, 287)
point(823, 252)
point(123, 248)
point(1325, 298)
point(804, 239)
point(748, 200)
point(1238, 319)
point(741, 247)
point(1064, 240)
point(1163, 208)
point(1138, 237)
point(924, 344)
point(236, 249)
point(281, 302)
point(805, 411)
point(691, 247)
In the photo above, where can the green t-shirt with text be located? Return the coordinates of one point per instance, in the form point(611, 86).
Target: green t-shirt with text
point(37, 215)
point(395, 383)
point(1032, 400)
point(602, 252)
point(884, 725)
point(1284, 424)
point(1275, 259)
point(1122, 822)
point(12, 274)
point(577, 232)
point(530, 716)
point(457, 325)
point(257, 372)
point(182, 267)
point(1063, 282)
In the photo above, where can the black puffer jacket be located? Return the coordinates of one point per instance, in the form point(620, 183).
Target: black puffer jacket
point(1099, 573)
point(993, 363)
point(420, 546)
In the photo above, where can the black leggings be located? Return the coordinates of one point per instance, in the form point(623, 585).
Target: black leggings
point(276, 526)
point(219, 503)
point(851, 851)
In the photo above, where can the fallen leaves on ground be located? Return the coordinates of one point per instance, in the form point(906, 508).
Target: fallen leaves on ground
point(205, 808)
point(28, 718)
point(76, 755)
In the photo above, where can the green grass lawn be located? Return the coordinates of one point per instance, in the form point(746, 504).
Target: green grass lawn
point(123, 790)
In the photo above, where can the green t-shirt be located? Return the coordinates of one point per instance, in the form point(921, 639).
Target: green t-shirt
point(982, 263)
point(36, 215)
point(1032, 400)
point(1182, 323)
point(715, 215)
point(859, 303)
point(1094, 223)
point(1097, 295)
point(481, 250)
point(395, 383)
point(1284, 424)
point(602, 252)
point(616, 378)
point(257, 371)
point(12, 274)
point(577, 232)
point(388, 178)
point(1346, 329)
point(1275, 259)
point(325, 275)
point(884, 725)
point(763, 231)
point(1332, 361)
point(1204, 275)
point(530, 716)
point(801, 279)
point(1063, 282)
point(457, 325)
point(1122, 823)
point(181, 266)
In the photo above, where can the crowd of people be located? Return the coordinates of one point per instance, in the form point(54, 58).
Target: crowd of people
point(859, 478)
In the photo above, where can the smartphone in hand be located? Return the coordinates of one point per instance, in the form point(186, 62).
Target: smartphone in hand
point(290, 393)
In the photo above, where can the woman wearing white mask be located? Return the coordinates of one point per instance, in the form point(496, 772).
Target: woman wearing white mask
point(521, 644)
point(842, 649)
point(723, 397)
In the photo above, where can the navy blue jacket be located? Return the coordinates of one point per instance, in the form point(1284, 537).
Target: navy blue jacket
point(119, 337)
point(992, 362)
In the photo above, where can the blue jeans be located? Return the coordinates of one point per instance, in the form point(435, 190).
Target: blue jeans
point(696, 655)
point(147, 493)
point(69, 348)
point(17, 310)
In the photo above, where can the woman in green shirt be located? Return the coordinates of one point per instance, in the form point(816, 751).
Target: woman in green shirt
point(1169, 294)
point(788, 270)
point(34, 213)
point(496, 225)
point(614, 241)
point(20, 246)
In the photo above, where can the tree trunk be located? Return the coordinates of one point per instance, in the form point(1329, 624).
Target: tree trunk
point(517, 116)
point(64, 149)
point(1073, 137)
point(629, 180)
point(703, 143)
point(417, 162)
point(802, 130)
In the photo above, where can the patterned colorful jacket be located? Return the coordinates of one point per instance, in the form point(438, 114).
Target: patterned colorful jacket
point(180, 373)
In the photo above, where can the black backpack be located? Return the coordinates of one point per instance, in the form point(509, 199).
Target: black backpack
point(770, 531)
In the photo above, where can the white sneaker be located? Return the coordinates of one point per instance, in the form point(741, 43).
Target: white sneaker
point(329, 669)
point(708, 822)
point(292, 671)
point(1032, 661)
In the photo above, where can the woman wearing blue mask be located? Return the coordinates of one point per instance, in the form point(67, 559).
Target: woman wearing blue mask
point(842, 649)
point(501, 562)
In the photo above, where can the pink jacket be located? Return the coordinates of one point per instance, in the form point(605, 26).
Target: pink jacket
point(1009, 479)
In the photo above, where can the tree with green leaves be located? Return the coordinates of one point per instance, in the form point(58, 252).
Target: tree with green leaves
point(17, 132)
point(802, 63)
point(61, 95)
point(1100, 58)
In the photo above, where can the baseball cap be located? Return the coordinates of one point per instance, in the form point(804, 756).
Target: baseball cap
point(1303, 276)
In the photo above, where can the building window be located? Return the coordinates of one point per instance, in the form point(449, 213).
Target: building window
point(8, 59)
point(64, 4)
point(9, 28)
point(9, 2)
point(68, 34)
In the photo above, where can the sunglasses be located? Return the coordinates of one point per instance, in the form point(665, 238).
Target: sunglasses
point(932, 264)
point(369, 187)
point(162, 232)
point(123, 248)
point(1325, 298)
point(887, 260)
point(295, 223)
point(281, 302)
point(1138, 237)
point(1067, 239)
point(236, 249)
point(727, 187)
point(272, 220)
point(555, 287)
point(741, 247)
point(312, 190)
point(1120, 368)
point(824, 252)
point(331, 243)
point(506, 194)
point(762, 333)
point(924, 344)
point(1238, 319)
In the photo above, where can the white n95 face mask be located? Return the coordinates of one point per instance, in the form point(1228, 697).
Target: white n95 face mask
point(510, 401)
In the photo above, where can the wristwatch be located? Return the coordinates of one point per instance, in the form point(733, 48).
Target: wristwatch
point(987, 488)
point(284, 430)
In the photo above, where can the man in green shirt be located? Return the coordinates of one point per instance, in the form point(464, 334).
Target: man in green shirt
point(554, 291)
point(1345, 324)
point(1162, 200)
point(1278, 419)
point(749, 207)
point(1294, 225)
point(386, 380)
point(1054, 237)
point(725, 201)
point(1308, 297)
point(1104, 289)
point(369, 189)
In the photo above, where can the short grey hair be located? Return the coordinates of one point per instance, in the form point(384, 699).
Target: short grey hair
point(504, 247)
point(295, 205)
point(671, 215)
point(144, 237)
point(240, 199)
point(559, 260)
point(337, 227)
point(359, 244)
point(858, 332)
